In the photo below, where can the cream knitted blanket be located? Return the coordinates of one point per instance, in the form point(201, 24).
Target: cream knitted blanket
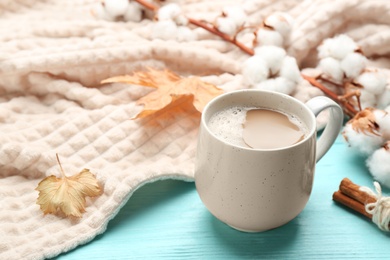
point(53, 54)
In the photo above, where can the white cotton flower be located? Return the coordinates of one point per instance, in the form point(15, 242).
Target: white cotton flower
point(133, 12)
point(365, 143)
point(280, 22)
point(331, 68)
point(353, 64)
point(254, 70)
point(367, 99)
point(384, 99)
point(226, 25)
point(279, 84)
point(382, 118)
point(164, 30)
point(185, 34)
point(379, 165)
point(99, 11)
point(373, 81)
point(337, 47)
point(266, 36)
point(116, 8)
point(272, 55)
point(172, 12)
point(290, 70)
point(236, 13)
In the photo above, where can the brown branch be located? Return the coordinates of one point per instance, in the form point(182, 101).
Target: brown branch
point(349, 109)
point(205, 26)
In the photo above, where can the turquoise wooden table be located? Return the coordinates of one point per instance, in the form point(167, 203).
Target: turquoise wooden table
point(167, 220)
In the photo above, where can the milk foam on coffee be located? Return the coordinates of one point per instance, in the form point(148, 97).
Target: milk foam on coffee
point(257, 128)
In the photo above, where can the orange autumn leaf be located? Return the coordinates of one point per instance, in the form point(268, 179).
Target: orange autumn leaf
point(67, 194)
point(170, 88)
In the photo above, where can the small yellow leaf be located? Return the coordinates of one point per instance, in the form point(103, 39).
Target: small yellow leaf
point(67, 194)
point(170, 88)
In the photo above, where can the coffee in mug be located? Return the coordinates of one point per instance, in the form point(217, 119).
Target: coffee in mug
point(258, 128)
point(244, 174)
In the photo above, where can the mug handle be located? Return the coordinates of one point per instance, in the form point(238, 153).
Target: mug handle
point(333, 126)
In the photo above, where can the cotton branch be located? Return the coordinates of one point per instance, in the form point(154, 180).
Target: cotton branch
point(205, 26)
point(348, 107)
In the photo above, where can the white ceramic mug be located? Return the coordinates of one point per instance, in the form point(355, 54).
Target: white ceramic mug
point(252, 189)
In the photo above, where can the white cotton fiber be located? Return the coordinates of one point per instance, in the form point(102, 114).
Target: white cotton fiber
point(164, 30)
point(99, 11)
point(133, 12)
point(236, 13)
point(373, 81)
point(226, 25)
point(268, 37)
point(382, 118)
point(172, 12)
point(331, 68)
point(280, 22)
point(353, 64)
point(116, 7)
point(365, 143)
point(168, 12)
point(254, 70)
point(367, 99)
point(384, 99)
point(337, 47)
point(279, 84)
point(290, 69)
point(379, 165)
point(272, 55)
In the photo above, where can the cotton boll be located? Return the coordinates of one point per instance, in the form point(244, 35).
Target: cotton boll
point(331, 68)
point(100, 12)
point(164, 30)
point(272, 55)
point(367, 99)
point(384, 99)
point(372, 81)
point(116, 8)
point(290, 70)
point(353, 64)
point(305, 91)
point(185, 34)
point(382, 118)
point(226, 25)
point(279, 84)
point(280, 22)
point(364, 143)
point(168, 12)
point(337, 47)
point(172, 12)
point(133, 12)
point(236, 13)
point(254, 70)
point(379, 165)
point(268, 37)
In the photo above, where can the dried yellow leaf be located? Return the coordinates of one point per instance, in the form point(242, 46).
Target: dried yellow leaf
point(67, 194)
point(170, 88)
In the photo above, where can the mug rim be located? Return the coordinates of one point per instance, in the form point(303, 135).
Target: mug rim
point(310, 133)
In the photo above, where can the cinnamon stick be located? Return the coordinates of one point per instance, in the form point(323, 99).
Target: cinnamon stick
point(352, 190)
point(351, 203)
point(350, 195)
